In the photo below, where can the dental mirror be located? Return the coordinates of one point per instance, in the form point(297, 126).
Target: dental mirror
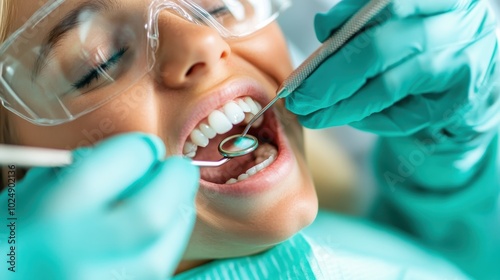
point(238, 145)
point(233, 146)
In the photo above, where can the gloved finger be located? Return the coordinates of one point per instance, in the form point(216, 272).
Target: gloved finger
point(105, 171)
point(33, 177)
point(160, 256)
point(370, 54)
point(363, 58)
point(390, 122)
point(30, 190)
point(434, 72)
point(166, 252)
point(431, 111)
point(326, 23)
point(406, 8)
point(165, 202)
point(134, 251)
point(422, 74)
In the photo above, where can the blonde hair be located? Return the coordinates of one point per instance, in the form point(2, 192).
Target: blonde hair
point(5, 16)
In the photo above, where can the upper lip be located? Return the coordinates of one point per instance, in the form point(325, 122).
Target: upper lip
point(218, 98)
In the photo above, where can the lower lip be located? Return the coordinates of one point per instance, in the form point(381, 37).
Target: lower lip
point(263, 180)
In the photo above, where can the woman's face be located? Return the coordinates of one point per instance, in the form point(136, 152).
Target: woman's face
point(194, 79)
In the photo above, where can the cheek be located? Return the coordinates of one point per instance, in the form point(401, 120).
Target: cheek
point(129, 112)
point(266, 50)
point(80, 133)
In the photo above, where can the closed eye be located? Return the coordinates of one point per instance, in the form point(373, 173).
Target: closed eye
point(221, 11)
point(96, 73)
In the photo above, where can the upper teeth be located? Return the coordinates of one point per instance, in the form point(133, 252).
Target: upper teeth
point(221, 121)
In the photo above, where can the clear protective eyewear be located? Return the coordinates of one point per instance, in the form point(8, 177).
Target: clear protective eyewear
point(72, 56)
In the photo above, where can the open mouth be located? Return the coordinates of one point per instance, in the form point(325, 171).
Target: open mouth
point(228, 120)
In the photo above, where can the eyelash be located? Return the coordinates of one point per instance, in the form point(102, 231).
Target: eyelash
point(220, 11)
point(94, 73)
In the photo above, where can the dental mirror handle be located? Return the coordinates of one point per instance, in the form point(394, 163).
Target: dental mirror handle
point(202, 163)
point(330, 46)
point(22, 156)
point(31, 156)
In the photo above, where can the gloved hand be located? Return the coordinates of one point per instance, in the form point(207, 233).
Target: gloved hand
point(425, 75)
point(118, 212)
point(422, 64)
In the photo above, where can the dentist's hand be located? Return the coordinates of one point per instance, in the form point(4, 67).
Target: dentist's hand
point(118, 211)
point(430, 64)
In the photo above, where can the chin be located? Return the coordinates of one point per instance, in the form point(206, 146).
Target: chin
point(249, 225)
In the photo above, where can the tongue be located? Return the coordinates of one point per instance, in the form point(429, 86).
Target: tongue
point(231, 169)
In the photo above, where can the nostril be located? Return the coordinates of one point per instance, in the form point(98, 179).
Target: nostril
point(224, 55)
point(196, 67)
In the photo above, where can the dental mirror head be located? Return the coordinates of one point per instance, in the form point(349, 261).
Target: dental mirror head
point(238, 145)
point(233, 146)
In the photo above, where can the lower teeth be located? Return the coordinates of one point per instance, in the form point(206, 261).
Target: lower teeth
point(265, 155)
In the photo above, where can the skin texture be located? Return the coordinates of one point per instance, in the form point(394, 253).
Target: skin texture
point(186, 72)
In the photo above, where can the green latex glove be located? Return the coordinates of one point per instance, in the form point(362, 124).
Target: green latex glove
point(420, 65)
point(118, 212)
point(427, 79)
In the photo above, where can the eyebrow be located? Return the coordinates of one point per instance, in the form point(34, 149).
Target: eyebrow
point(68, 23)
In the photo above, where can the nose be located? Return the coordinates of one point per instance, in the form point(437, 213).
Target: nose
point(188, 52)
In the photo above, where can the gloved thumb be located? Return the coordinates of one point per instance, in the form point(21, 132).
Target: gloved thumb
point(326, 23)
point(407, 8)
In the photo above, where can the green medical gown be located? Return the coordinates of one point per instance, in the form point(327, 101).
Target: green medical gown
point(334, 247)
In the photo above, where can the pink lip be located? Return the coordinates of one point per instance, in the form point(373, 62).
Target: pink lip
point(217, 99)
point(265, 179)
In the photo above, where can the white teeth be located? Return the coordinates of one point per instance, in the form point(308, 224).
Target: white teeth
point(263, 150)
point(234, 113)
point(243, 177)
point(244, 106)
point(259, 107)
point(190, 149)
point(219, 122)
point(199, 138)
point(248, 118)
point(253, 107)
point(207, 130)
point(231, 181)
point(258, 122)
point(252, 171)
point(260, 166)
